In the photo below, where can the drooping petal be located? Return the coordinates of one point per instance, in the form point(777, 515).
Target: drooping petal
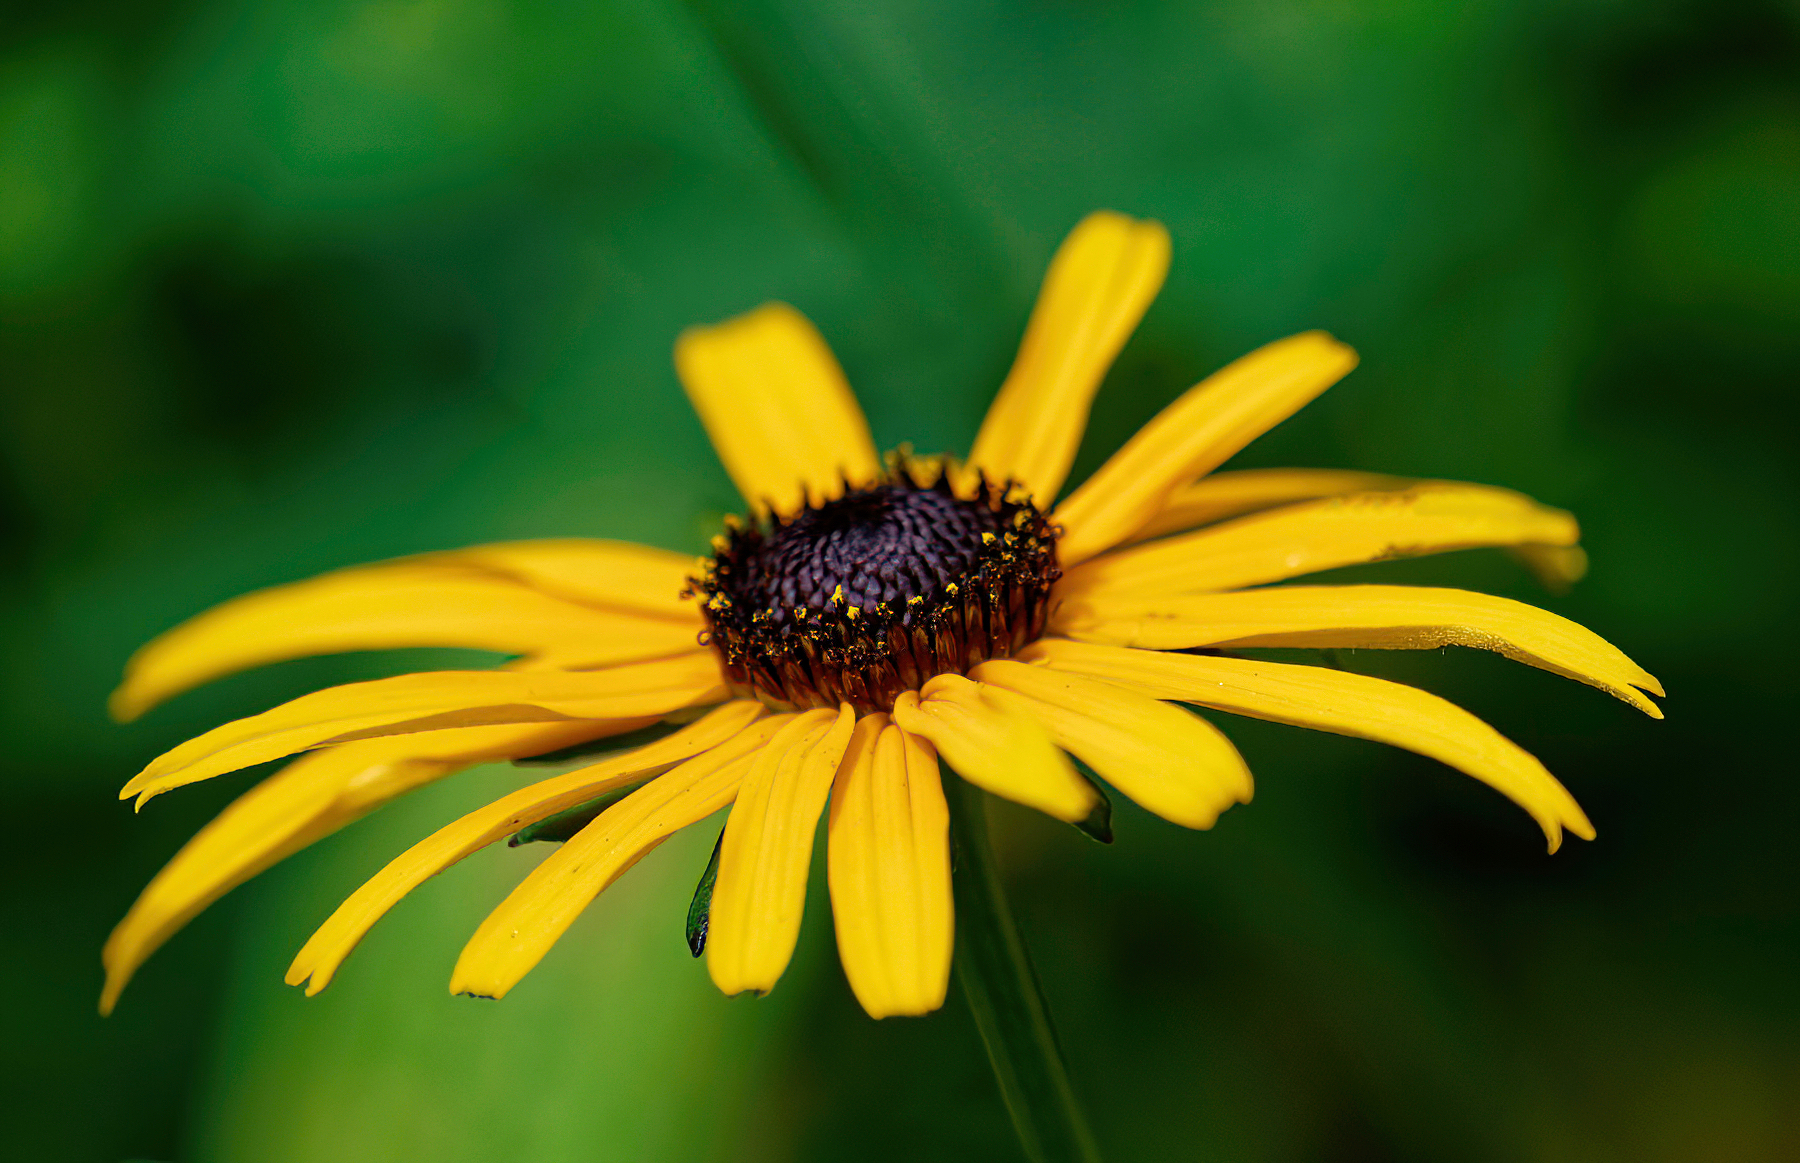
point(431, 700)
point(305, 801)
point(993, 740)
point(1196, 434)
point(1339, 702)
point(727, 726)
point(1320, 535)
point(1219, 495)
point(1231, 494)
point(1380, 617)
point(776, 404)
point(1099, 285)
point(614, 575)
point(383, 607)
point(1171, 761)
point(767, 850)
point(523, 927)
point(889, 869)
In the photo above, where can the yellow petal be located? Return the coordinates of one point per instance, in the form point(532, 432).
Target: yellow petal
point(1557, 567)
point(320, 958)
point(431, 700)
point(1196, 434)
point(1381, 617)
point(1231, 494)
point(386, 607)
point(889, 868)
point(1319, 535)
point(1099, 285)
point(767, 849)
point(615, 575)
point(780, 414)
point(1339, 702)
point(1172, 762)
point(517, 934)
point(308, 799)
point(992, 739)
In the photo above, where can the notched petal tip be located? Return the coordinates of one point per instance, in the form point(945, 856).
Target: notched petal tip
point(480, 986)
point(1573, 822)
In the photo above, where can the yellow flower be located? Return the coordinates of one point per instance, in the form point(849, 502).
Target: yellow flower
point(867, 619)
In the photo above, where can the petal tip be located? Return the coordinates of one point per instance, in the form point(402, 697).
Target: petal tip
point(1576, 825)
point(1328, 346)
point(464, 984)
point(903, 1009)
point(124, 705)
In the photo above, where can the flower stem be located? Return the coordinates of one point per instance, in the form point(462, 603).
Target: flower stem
point(1003, 993)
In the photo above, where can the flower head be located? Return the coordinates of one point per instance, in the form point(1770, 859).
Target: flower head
point(867, 618)
point(875, 591)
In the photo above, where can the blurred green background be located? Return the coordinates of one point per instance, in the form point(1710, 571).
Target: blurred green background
point(288, 286)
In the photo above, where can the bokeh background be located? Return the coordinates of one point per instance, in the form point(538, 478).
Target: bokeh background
point(291, 285)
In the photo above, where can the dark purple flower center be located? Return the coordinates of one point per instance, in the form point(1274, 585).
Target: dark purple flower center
point(872, 593)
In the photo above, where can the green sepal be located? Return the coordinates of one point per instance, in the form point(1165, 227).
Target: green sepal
point(1098, 825)
point(700, 911)
point(569, 821)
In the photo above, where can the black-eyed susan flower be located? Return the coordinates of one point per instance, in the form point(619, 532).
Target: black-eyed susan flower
point(866, 618)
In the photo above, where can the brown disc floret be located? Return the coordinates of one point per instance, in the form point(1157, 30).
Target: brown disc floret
point(871, 593)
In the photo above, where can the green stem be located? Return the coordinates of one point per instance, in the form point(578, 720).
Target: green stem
point(1003, 993)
